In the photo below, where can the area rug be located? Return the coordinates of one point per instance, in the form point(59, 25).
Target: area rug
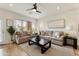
point(55, 50)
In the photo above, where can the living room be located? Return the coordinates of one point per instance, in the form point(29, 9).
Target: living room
point(49, 20)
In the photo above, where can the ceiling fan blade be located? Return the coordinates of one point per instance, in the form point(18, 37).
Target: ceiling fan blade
point(38, 11)
point(29, 9)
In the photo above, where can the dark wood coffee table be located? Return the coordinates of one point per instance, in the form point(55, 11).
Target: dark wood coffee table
point(44, 46)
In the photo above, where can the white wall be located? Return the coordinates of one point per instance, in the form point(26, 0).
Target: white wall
point(4, 15)
point(71, 20)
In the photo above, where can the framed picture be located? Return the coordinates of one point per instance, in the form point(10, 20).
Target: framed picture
point(59, 23)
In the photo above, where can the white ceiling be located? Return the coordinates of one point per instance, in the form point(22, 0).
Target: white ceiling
point(47, 9)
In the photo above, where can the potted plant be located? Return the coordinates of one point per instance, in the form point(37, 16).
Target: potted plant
point(11, 31)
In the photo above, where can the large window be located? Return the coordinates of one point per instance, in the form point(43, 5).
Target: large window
point(20, 25)
point(24, 25)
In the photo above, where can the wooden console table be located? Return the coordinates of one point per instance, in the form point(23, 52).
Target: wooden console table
point(73, 39)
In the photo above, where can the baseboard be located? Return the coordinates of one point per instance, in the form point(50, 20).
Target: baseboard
point(5, 43)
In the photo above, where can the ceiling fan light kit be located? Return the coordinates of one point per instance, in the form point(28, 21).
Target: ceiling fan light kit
point(34, 10)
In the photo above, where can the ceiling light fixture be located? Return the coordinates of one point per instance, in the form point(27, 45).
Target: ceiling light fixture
point(58, 7)
point(11, 5)
point(34, 10)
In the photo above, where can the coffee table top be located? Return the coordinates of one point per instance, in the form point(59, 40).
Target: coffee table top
point(42, 41)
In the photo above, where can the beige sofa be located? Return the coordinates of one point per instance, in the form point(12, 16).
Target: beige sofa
point(55, 36)
point(21, 37)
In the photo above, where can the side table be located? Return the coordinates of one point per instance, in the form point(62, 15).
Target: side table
point(72, 39)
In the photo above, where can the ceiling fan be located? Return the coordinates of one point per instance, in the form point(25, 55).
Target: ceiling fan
point(34, 8)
